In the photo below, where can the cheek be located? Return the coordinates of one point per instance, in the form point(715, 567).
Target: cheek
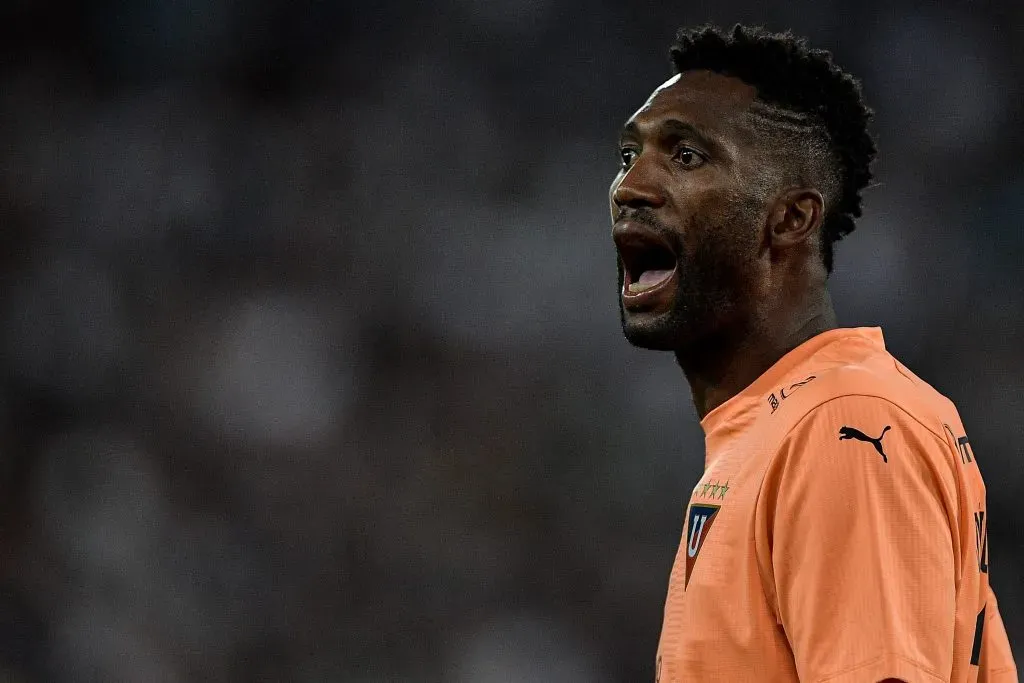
point(611, 196)
point(726, 234)
point(706, 218)
point(742, 215)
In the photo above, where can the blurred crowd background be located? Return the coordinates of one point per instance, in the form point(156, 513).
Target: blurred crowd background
point(310, 361)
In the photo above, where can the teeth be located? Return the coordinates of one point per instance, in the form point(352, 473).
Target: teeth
point(636, 287)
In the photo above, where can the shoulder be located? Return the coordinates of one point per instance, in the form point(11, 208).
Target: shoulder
point(877, 386)
point(872, 420)
point(852, 452)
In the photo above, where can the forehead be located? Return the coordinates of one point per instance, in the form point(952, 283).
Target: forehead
point(706, 99)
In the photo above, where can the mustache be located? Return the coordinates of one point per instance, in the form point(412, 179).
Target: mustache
point(645, 216)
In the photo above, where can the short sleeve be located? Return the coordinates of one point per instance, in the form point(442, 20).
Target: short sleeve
point(997, 665)
point(862, 510)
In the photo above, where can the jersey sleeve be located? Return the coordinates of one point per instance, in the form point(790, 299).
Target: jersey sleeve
point(997, 665)
point(862, 512)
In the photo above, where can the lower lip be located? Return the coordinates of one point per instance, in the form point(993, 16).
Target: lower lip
point(649, 298)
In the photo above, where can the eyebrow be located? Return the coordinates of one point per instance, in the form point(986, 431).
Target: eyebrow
point(672, 127)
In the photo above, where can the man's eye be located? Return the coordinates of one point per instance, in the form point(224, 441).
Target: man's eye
point(688, 158)
point(627, 156)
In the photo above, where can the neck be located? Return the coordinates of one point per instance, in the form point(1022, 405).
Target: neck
point(729, 364)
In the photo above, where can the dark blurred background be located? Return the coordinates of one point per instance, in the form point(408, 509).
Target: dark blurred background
point(310, 363)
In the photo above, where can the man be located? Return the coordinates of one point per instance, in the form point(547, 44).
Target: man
point(839, 531)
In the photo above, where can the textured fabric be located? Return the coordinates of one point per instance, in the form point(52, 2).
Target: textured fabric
point(838, 532)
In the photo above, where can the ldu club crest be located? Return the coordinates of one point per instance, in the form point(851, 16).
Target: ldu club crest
point(698, 524)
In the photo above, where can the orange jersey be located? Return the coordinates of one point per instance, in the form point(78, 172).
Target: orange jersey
point(839, 532)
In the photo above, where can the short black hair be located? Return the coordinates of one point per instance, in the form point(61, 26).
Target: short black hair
point(789, 75)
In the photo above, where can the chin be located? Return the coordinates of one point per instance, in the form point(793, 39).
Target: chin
point(656, 332)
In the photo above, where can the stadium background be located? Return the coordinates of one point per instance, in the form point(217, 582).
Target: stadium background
point(311, 368)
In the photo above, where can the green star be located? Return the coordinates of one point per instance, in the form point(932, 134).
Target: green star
point(725, 488)
point(714, 489)
point(705, 492)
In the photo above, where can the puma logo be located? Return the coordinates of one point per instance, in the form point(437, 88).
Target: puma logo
point(852, 433)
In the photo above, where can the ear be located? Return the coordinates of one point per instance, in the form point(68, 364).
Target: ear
point(795, 217)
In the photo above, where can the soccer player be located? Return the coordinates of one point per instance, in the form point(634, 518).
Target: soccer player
point(839, 530)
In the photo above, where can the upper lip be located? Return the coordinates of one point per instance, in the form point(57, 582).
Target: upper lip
point(633, 239)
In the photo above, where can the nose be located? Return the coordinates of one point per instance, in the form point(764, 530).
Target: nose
point(638, 188)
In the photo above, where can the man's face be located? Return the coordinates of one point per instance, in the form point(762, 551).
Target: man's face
point(689, 209)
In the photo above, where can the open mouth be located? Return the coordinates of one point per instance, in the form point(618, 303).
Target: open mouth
point(648, 268)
